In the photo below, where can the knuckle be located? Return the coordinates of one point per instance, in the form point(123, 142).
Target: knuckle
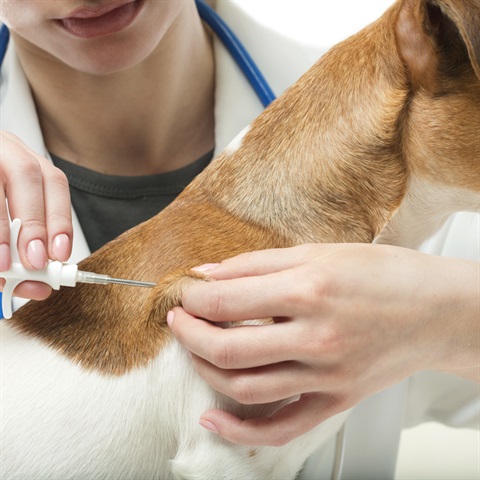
point(220, 353)
point(241, 390)
point(33, 224)
point(319, 285)
point(297, 289)
point(328, 341)
point(28, 166)
point(332, 338)
point(310, 292)
point(33, 228)
point(298, 294)
point(26, 163)
point(56, 176)
point(214, 304)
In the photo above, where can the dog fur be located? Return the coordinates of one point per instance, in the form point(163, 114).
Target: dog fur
point(378, 141)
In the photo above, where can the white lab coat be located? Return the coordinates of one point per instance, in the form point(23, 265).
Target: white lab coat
point(372, 431)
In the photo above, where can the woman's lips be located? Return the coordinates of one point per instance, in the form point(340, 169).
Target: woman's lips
point(87, 23)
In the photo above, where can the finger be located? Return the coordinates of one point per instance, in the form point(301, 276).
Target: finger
point(258, 385)
point(233, 348)
point(273, 295)
point(288, 423)
point(58, 213)
point(56, 203)
point(30, 290)
point(259, 262)
point(23, 185)
point(33, 290)
point(5, 256)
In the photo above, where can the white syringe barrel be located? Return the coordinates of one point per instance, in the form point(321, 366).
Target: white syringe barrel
point(56, 274)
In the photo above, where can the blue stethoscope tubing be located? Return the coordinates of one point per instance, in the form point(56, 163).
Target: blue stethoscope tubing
point(4, 38)
point(238, 52)
point(228, 38)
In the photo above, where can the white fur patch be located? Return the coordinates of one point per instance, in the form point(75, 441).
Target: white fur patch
point(423, 211)
point(61, 422)
point(236, 143)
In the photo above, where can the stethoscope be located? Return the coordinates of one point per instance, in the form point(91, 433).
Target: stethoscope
point(224, 33)
point(261, 87)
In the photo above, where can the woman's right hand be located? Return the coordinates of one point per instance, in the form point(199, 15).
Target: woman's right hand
point(36, 192)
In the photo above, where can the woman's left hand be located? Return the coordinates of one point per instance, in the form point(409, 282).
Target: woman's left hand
point(349, 320)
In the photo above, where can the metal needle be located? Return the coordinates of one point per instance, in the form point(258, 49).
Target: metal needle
point(132, 283)
point(90, 277)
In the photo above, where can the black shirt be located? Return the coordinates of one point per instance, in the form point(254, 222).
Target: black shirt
point(108, 205)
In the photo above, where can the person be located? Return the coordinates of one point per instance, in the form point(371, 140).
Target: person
point(112, 107)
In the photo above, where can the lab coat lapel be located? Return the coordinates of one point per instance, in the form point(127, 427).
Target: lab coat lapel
point(236, 104)
point(18, 114)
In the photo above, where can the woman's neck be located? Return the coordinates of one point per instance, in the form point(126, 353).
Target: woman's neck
point(154, 117)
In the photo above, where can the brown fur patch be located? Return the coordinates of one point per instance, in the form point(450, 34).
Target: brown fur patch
point(115, 328)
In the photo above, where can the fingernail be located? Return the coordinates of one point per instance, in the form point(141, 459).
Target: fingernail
point(36, 254)
point(208, 425)
point(206, 267)
point(5, 262)
point(170, 317)
point(61, 247)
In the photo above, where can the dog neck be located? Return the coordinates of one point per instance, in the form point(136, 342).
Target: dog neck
point(325, 158)
point(353, 151)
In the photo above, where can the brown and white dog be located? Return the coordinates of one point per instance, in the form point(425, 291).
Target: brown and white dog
point(379, 141)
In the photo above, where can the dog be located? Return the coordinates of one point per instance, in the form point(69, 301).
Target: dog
point(377, 142)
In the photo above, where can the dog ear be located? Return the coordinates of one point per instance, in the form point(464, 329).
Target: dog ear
point(439, 39)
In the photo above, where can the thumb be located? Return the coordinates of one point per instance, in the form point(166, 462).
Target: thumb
point(260, 262)
point(288, 423)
